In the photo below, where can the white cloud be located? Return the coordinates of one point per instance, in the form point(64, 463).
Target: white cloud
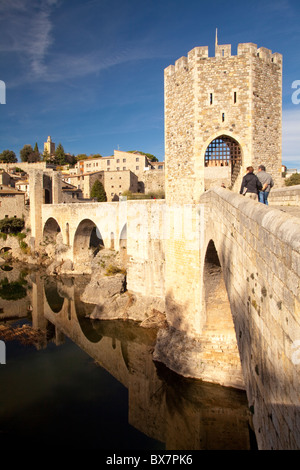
point(26, 29)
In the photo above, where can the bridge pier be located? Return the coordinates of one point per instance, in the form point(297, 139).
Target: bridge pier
point(36, 201)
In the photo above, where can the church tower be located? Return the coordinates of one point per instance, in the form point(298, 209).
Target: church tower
point(49, 146)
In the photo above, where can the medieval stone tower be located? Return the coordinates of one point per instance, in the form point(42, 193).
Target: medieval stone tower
point(222, 114)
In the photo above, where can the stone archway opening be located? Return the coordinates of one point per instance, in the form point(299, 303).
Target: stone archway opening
point(54, 299)
point(6, 253)
point(218, 332)
point(51, 230)
point(88, 240)
point(222, 161)
point(217, 307)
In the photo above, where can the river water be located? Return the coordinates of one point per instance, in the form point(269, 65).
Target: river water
point(83, 384)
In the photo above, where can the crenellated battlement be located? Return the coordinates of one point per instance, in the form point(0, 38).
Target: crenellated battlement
point(223, 51)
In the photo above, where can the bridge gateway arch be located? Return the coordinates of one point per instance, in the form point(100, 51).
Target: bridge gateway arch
point(223, 159)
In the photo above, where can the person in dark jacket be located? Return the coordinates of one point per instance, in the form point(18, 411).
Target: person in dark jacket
point(251, 185)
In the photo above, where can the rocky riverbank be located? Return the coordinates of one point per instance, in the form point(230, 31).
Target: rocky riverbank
point(108, 291)
point(107, 288)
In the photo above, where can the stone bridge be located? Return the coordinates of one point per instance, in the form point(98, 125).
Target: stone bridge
point(228, 272)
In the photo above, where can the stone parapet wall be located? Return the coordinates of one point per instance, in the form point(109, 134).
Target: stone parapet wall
point(259, 249)
point(286, 196)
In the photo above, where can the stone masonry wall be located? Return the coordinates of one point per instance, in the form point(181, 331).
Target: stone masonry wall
point(286, 196)
point(146, 247)
point(154, 181)
point(179, 130)
point(259, 249)
point(12, 205)
point(267, 113)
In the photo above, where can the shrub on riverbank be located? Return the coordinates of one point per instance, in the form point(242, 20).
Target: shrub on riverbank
point(11, 225)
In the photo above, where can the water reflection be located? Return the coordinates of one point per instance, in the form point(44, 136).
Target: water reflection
point(179, 413)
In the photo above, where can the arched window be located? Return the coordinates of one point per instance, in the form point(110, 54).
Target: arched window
point(224, 151)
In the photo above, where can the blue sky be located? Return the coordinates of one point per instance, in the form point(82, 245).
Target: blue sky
point(90, 73)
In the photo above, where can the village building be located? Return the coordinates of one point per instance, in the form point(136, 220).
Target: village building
point(12, 202)
point(114, 182)
point(70, 193)
point(23, 185)
point(134, 162)
point(5, 178)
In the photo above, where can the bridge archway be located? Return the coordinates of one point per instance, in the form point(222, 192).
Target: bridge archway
point(222, 161)
point(5, 249)
point(54, 299)
point(217, 306)
point(87, 239)
point(218, 330)
point(51, 230)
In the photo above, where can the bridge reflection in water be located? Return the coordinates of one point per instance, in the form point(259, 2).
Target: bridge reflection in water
point(179, 413)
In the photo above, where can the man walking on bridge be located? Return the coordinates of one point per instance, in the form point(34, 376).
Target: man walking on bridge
point(267, 183)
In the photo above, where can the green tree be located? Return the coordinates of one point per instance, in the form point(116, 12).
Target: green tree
point(81, 156)
point(25, 153)
point(96, 155)
point(8, 156)
point(11, 225)
point(35, 156)
point(11, 290)
point(98, 192)
point(293, 179)
point(71, 159)
point(46, 155)
point(60, 156)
